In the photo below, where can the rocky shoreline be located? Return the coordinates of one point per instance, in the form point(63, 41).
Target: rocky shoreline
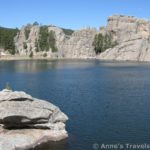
point(26, 122)
point(24, 58)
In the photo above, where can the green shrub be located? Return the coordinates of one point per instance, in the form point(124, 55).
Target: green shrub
point(46, 40)
point(43, 38)
point(31, 54)
point(36, 45)
point(52, 41)
point(103, 42)
point(7, 86)
point(68, 31)
point(45, 55)
point(27, 32)
point(25, 45)
point(35, 23)
point(7, 39)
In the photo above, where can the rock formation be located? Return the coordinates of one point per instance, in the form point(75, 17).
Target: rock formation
point(26, 121)
point(76, 45)
point(21, 39)
point(131, 34)
point(133, 37)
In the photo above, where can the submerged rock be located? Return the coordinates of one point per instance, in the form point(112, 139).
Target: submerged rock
point(26, 121)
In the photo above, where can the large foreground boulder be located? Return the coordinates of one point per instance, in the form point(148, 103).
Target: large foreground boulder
point(26, 121)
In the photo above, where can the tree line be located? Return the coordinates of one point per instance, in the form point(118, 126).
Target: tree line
point(7, 39)
point(46, 40)
point(103, 42)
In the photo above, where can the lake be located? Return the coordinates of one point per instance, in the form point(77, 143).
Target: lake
point(107, 102)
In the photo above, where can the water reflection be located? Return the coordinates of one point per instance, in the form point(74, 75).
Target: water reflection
point(31, 66)
point(34, 66)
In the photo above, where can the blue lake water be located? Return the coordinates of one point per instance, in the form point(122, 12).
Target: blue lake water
point(106, 102)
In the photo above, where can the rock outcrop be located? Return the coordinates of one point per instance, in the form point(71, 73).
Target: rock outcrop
point(133, 37)
point(26, 121)
point(78, 45)
point(75, 45)
point(29, 40)
point(131, 34)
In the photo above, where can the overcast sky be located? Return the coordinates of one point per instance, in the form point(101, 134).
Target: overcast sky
point(72, 14)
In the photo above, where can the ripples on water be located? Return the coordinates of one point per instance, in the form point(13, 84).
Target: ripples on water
point(106, 102)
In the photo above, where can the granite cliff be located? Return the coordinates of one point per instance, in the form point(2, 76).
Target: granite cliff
point(131, 34)
point(133, 37)
point(75, 45)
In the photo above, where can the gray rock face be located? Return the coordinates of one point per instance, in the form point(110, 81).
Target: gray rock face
point(133, 37)
point(20, 39)
point(77, 45)
point(31, 118)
